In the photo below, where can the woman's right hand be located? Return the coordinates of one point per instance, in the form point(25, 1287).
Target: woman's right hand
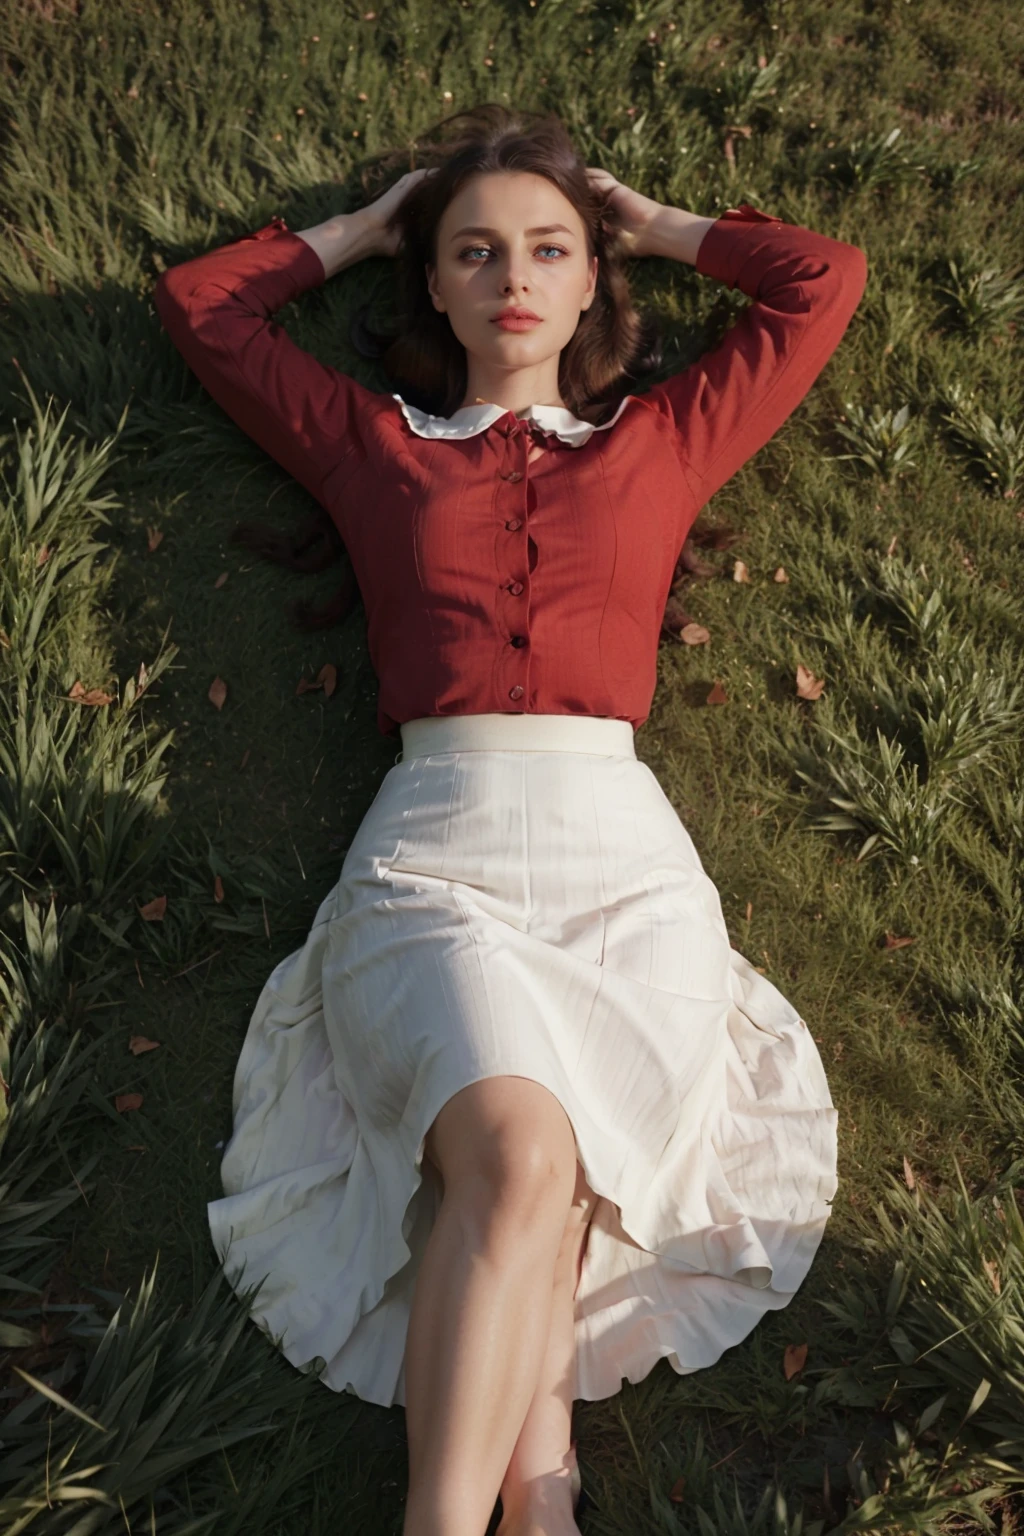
point(387, 241)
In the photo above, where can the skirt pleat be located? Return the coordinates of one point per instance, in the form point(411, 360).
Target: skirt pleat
point(542, 914)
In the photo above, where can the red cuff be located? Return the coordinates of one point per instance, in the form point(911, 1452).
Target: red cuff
point(745, 211)
point(276, 226)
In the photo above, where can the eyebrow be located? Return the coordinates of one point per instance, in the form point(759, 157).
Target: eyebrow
point(543, 229)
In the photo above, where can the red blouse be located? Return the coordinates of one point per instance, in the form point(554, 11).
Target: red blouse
point(494, 581)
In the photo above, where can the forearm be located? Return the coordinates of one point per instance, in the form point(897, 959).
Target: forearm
point(675, 233)
point(341, 241)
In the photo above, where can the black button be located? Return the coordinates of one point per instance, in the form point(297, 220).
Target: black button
point(518, 640)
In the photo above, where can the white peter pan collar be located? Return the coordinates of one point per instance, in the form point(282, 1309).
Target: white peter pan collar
point(471, 419)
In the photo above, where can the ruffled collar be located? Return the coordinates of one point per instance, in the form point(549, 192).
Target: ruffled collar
point(471, 419)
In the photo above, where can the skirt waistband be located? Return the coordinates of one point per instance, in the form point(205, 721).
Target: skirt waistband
point(518, 733)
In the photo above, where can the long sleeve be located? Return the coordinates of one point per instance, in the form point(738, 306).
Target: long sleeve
point(805, 288)
point(217, 310)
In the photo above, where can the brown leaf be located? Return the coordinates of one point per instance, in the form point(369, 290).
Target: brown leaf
point(221, 579)
point(807, 685)
point(218, 888)
point(95, 696)
point(306, 686)
point(154, 910)
point(43, 555)
point(153, 538)
point(740, 572)
point(750, 910)
point(992, 1270)
point(717, 695)
point(218, 692)
point(328, 676)
point(677, 1490)
point(780, 574)
point(892, 942)
point(138, 1043)
point(793, 1360)
point(127, 1101)
point(694, 634)
point(908, 1173)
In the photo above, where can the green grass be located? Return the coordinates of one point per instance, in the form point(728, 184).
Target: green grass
point(894, 804)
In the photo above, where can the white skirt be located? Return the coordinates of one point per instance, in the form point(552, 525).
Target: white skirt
point(521, 897)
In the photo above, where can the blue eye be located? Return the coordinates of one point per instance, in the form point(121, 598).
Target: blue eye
point(469, 249)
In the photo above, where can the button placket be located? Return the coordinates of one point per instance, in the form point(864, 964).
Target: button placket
point(513, 474)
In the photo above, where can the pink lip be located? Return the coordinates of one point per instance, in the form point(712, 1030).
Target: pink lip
point(516, 320)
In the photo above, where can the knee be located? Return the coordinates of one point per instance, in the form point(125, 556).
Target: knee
point(506, 1146)
point(522, 1180)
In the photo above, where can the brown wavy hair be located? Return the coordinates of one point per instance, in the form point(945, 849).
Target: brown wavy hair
point(612, 346)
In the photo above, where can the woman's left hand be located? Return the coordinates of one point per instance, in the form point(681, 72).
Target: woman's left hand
point(635, 212)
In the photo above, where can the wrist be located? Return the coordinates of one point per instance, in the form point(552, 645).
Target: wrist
point(675, 233)
point(342, 240)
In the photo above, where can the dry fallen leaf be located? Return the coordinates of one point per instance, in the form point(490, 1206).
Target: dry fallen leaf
point(793, 1360)
point(153, 538)
point(780, 574)
point(717, 695)
point(740, 572)
point(127, 1101)
point(694, 634)
point(677, 1490)
point(154, 910)
point(94, 696)
point(218, 888)
point(750, 910)
point(138, 1043)
point(218, 692)
point(807, 685)
point(221, 579)
point(326, 678)
point(992, 1270)
point(43, 555)
point(908, 1173)
point(892, 942)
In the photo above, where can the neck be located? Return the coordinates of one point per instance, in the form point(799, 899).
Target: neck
point(513, 389)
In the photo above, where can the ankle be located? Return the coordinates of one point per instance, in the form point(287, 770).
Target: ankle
point(547, 1495)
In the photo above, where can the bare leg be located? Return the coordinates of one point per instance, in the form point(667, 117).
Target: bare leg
point(536, 1494)
point(482, 1306)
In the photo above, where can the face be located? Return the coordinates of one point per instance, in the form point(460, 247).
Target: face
point(512, 240)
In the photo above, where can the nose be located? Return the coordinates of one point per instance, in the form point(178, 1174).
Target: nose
point(513, 275)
